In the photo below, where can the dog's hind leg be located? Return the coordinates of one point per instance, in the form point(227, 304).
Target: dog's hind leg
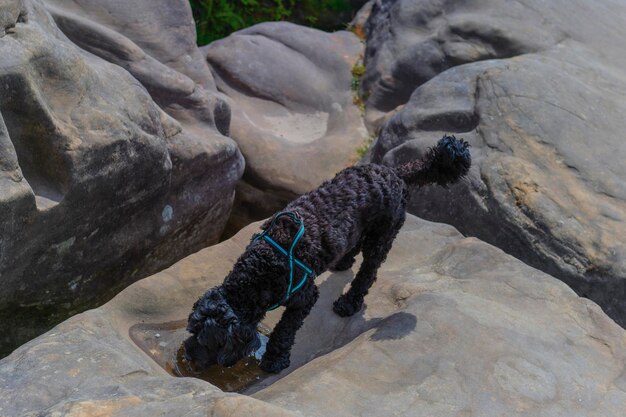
point(278, 351)
point(347, 260)
point(376, 245)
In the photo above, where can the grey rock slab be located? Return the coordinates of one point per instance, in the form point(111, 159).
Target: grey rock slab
point(290, 90)
point(452, 326)
point(545, 119)
point(100, 186)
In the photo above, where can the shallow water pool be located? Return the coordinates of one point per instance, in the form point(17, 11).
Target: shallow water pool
point(163, 342)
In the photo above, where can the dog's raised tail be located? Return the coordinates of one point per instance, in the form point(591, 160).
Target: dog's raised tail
point(444, 164)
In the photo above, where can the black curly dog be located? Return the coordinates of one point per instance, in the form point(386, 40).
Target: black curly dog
point(361, 209)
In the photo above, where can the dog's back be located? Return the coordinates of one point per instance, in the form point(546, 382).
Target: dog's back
point(362, 198)
point(339, 211)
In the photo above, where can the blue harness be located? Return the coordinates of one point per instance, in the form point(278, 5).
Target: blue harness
point(289, 254)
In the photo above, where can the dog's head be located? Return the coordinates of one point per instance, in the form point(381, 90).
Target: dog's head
point(218, 336)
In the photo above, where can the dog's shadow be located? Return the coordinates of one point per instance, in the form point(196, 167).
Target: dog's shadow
point(323, 331)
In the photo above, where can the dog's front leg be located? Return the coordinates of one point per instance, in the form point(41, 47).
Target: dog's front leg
point(276, 357)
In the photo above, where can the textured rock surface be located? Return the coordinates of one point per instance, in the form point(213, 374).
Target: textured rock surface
point(98, 186)
point(541, 99)
point(293, 115)
point(155, 40)
point(453, 326)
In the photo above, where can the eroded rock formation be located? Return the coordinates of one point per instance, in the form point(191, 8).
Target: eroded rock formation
point(99, 186)
point(538, 89)
point(290, 89)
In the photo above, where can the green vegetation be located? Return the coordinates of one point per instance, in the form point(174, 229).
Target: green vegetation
point(358, 70)
point(216, 19)
point(365, 146)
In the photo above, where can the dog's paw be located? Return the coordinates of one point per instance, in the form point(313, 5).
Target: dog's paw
point(274, 365)
point(344, 307)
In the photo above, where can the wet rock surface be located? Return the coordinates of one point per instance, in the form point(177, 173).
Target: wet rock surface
point(98, 185)
point(537, 88)
point(290, 90)
point(453, 326)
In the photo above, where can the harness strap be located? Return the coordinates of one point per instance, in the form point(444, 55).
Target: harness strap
point(289, 254)
point(284, 252)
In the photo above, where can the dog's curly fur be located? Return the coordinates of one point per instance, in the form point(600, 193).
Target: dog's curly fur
point(360, 210)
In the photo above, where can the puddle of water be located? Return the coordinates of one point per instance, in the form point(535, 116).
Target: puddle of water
point(163, 342)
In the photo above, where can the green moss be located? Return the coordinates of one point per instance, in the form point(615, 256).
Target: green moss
point(358, 70)
point(357, 100)
point(365, 146)
point(216, 19)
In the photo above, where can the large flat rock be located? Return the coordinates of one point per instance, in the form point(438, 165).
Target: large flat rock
point(538, 90)
point(453, 326)
point(98, 185)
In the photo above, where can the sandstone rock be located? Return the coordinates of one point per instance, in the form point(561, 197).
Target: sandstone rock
point(98, 186)
point(293, 112)
point(453, 326)
point(155, 40)
point(538, 90)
